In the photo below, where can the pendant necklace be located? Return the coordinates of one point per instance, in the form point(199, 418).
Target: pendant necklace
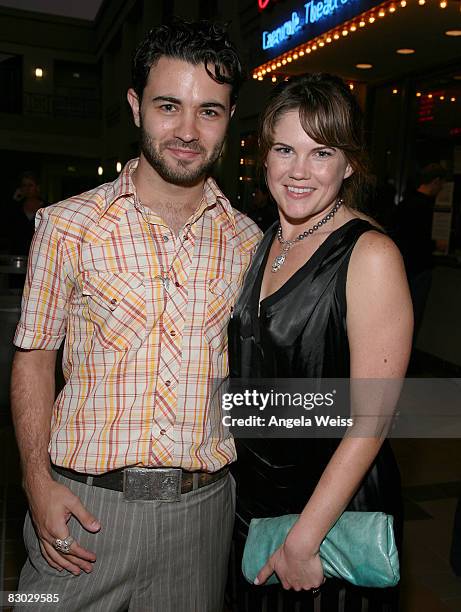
point(288, 244)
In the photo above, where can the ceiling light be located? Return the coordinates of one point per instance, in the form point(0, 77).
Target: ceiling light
point(364, 66)
point(382, 13)
point(395, 91)
point(421, 2)
point(295, 56)
point(361, 23)
point(39, 73)
point(418, 94)
point(284, 61)
point(351, 86)
point(336, 35)
point(274, 79)
point(392, 8)
point(453, 99)
point(328, 39)
point(403, 3)
point(345, 32)
point(260, 78)
point(405, 51)
point(429, 96)
point(353, 27)
point(372, 19)
point(321, 43)
point(273, 66)
point(279, 64)
point(118, 167)
point(255, 76)
point(289, 58)
point(443, 4)
point(100, 170)
point(301, 53)
point(453, 33)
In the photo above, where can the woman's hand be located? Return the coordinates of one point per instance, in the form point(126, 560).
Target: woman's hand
point(295, 567)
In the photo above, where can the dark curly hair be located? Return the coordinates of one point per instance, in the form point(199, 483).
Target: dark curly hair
point(194, 42)
point(330, 115)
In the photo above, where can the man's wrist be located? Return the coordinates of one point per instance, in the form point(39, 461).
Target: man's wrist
point(34, 478)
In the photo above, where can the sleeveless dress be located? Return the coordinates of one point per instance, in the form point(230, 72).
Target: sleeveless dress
point(300, 332)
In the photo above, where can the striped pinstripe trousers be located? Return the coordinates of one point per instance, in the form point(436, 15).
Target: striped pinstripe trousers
point(151, 556)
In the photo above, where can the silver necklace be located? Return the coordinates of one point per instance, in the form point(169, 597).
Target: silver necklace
point(288, 244)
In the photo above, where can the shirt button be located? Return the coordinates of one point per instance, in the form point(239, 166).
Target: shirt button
point(168, 383)
point(177, 284)
point(165, 238)
point(172, 332)
point(113, 301)
point(186, 237)
point(162, 432)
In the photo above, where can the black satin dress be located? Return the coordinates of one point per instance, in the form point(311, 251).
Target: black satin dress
point(300, 333)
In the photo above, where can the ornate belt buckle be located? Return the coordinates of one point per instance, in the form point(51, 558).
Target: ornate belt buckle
point(145, 484)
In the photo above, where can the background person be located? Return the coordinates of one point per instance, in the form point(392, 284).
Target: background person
point(131, 502)
point(326, 297)
point(413, 235)
point(19, 221)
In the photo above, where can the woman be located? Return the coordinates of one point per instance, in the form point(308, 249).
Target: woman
point(326, 297)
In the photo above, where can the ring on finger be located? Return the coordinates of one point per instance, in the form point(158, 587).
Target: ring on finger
point(316, 591)
point(63, 546)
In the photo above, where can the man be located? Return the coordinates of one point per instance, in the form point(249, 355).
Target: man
point(413, 234)
point(126, 475)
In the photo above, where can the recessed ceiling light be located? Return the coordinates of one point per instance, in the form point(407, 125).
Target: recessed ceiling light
point(453, 33)
point(405, 51)
point(364, 66)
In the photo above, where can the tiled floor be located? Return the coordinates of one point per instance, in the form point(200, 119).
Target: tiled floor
point(431, 474)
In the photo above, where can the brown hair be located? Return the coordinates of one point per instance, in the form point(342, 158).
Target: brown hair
point(330, 115)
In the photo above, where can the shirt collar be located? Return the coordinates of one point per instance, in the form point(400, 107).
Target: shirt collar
point(123, 187)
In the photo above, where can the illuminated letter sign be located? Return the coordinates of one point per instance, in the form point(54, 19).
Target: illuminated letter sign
point(279, 35)
point(262, 4)
point(315, 11)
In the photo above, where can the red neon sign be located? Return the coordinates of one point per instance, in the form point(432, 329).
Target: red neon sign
point(262, 4)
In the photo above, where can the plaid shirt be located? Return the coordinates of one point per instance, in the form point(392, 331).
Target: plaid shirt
point(141, 354)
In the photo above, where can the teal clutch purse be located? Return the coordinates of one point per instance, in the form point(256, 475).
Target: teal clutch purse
point(359, 548)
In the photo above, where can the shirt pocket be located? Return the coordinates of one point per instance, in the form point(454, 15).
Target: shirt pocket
point(221, 297)
point(117, 308)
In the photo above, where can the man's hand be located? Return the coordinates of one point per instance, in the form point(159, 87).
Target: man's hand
point(51, 506)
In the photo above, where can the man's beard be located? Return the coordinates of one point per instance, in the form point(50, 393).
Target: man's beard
point(181, 174)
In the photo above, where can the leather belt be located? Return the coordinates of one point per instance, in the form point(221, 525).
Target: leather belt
point(146, 484)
